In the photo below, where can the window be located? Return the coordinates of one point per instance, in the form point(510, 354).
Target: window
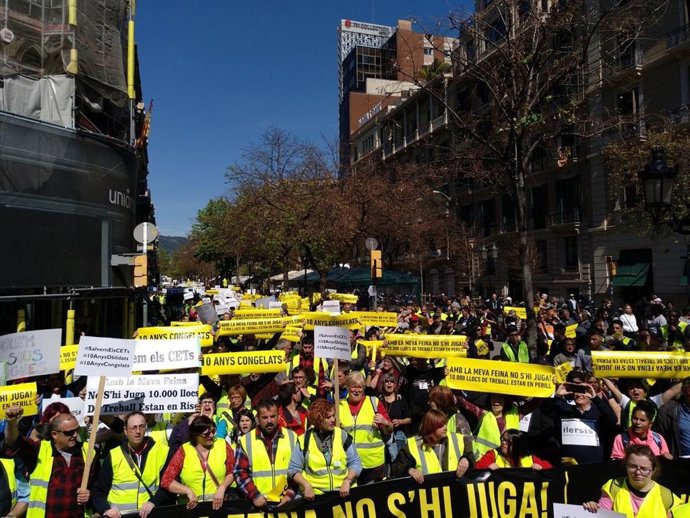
point(428, 51)
point(571, 255)
point(541, 261)
point(538, 199)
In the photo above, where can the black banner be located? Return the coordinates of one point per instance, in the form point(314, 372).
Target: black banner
point(504, 493)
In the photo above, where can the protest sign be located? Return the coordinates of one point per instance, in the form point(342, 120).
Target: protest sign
point(577, 511)
point(314, 319)
point(3, 373)
point(250, 313)
point(561, 372)
point(151, 355)
point(519, 312)
point(425, 346)
point(68, 356)
point(243, 362)
point(332, 343)
point(331, 306)
point(250, 326)
point(75, 405)
point(149, 394)
point(22, 395)
point(639, 364)
point(518, 379)
point(178, 323)
point(104, 357)
point(377, 318)
point(570, 331)
point(276, 304)
point(345, 298)
point(31, 353)
point(207, 313)
point(174, 332)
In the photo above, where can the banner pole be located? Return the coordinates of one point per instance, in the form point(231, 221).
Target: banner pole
point(94, 430)
point(336, 387)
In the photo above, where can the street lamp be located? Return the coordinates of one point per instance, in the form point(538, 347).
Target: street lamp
point(448, 200)
point(657, 181)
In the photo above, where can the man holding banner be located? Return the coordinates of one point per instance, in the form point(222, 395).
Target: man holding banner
point(129, 478)
point(56, 466)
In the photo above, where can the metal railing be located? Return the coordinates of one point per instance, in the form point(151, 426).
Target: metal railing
point(566, 216)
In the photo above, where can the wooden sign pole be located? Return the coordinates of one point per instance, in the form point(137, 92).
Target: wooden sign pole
point(94, 430)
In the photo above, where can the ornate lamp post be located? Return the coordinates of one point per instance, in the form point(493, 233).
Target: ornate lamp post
point(658, 181)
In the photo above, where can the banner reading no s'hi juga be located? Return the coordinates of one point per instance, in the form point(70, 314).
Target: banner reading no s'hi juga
point(243, 362)
point(22, 395)
point(151, 394)
point(425, 346)
point(519, 379)
point(638, 364)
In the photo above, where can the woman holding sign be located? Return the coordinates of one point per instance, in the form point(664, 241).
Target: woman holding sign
point(636, 495)
point(201, 469)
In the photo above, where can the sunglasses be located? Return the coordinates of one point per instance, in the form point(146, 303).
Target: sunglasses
point(209, 433)
point(68, 433)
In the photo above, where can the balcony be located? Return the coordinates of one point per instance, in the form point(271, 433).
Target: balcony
point(680, 115)
point(626, 66)
point(566, 220)
point(678, 37)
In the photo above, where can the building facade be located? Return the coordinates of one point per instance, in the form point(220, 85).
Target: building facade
point(581, 245)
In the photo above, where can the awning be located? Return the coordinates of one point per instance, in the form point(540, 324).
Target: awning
point(634, 274)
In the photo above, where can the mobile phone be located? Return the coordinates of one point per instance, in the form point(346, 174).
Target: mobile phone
point(574, 387)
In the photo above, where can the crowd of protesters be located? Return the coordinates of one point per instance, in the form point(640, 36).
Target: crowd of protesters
point(275, 438)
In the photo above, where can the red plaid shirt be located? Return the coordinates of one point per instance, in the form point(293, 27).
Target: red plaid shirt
point(65, 479)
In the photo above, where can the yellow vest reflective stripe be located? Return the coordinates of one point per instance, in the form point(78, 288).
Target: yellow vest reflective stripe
point(127, 493)
point(501, 462)
point(523, 352)
point(323, 475)
point(264, 472)
point(366, 436)
point(656, 504)
point(489, 436)
point(159, 433)
point(40, 478)
point(8, 464)
point(426, 459)
point(193, 475)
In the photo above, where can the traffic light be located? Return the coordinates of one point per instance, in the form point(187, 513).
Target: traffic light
point(141, 271)
point(376, 264)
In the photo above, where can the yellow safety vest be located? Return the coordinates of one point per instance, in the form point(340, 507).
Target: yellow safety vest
point(426, 459)
point(501, 462)
point(195, 477)
point(40, 478)
point(127, 492)
point(263, 471)
point(523, 352)
point(656, 504)
point(489, 436)
point(159, 433)
point(366, 435)
point(681, 511)
point(321, 474)
point(8, 464)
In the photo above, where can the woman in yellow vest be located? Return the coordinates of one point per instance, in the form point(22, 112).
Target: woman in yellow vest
point(433, 450)
point(325, 458)
point(366, 420)
point(201, 469)
point(513, 453)
point(636, 495)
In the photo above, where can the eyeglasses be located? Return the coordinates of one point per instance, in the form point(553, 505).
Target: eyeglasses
point(634, 469)
point(68, 433)
point(389, 381)
point(136, 427)
point(209, 433)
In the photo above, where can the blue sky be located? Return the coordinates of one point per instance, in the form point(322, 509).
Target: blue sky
point(221, 72)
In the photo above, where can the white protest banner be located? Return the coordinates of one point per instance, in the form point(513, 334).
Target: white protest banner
point(75, 405)
point(579, 432)
point(331, 306)
point(577, 511)
point(332, 343)
point(31, 353)
point(3, 374)
point(153, 355)
point(104, 357)
point(207, 313)
point(150, 394)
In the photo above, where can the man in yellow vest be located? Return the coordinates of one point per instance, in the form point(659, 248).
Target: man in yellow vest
point(56, 466)
point(514, 349)
point(262, 458)
point(130, 474)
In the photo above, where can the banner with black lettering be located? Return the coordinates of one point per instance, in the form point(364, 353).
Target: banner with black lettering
point(641, 364)
point(508, 493)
